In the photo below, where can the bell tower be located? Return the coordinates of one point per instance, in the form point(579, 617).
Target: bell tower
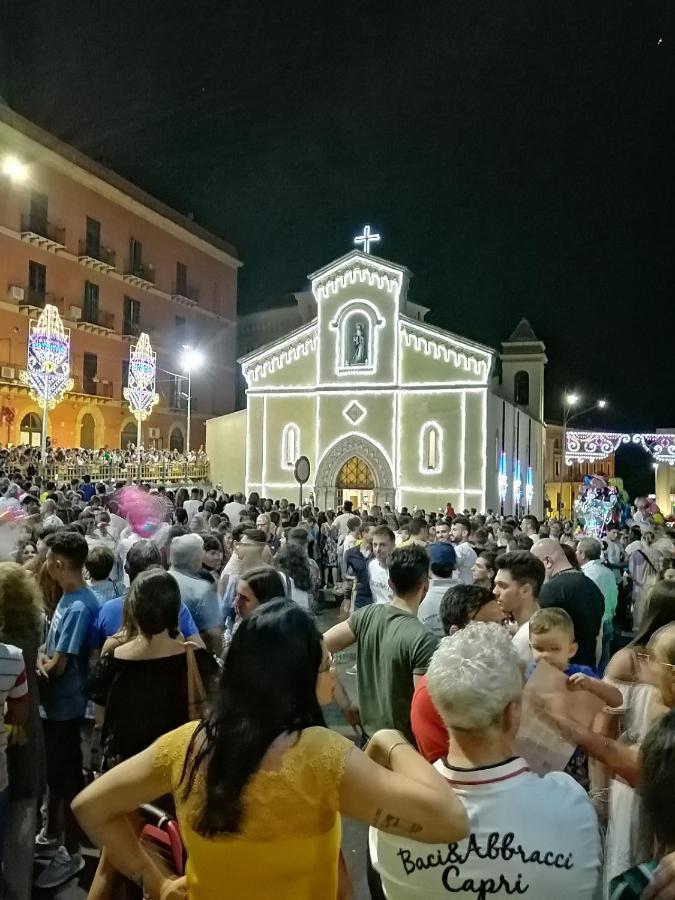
point(523, 358)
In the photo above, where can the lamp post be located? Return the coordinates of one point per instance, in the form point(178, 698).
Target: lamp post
point(140, 392)
point(569, 402)
point(47, 373)
point(191, 358)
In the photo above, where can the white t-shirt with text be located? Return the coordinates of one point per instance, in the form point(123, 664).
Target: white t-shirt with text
point(530, 837)
point(378, 577)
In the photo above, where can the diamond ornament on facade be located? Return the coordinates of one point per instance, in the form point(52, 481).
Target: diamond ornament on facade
point(354, 412)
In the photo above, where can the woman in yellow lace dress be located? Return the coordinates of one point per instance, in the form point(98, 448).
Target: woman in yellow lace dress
point(259, 786)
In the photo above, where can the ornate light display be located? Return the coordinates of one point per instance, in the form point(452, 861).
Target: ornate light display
point(517, 484)
point(47, 372)
point(140, 393)
point(529, 488)
point(594, 446)
point(503, 480)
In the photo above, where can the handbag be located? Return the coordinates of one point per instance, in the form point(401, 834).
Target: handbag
point(196, 693)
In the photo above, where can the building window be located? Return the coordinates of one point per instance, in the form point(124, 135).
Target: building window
point(125, 373)
point(557, 468)
point(431, 448)
point(181, 279)
point(90, 309)
point(92, 239)
point(31, 430)
point(89, 376)
point(132, 317)
point(37, 283)
point(290, 446)
point(39, 205)
point(521, 388)
point(177, 397)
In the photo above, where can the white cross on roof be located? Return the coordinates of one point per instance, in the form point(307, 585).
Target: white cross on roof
point(366, 239)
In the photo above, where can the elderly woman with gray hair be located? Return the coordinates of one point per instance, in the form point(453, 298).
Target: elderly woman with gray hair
point(531, 835)
point(185, 557)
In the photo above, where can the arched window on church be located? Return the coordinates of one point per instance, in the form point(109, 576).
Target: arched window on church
point(290, 446)
point(431, 448)
point(521, 388)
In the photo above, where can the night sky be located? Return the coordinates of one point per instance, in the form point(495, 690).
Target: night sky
point(518, 158)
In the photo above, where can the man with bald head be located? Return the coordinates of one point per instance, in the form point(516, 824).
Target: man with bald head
point(571, 590)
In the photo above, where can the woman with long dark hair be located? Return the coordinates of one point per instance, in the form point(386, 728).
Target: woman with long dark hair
point(260, 784)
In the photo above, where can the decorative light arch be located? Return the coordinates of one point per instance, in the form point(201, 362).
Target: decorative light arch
point(595, 446)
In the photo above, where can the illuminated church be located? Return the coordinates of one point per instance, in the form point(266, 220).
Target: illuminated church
point(387, 408)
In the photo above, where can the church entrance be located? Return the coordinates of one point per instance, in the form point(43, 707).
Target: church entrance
point(356, 482)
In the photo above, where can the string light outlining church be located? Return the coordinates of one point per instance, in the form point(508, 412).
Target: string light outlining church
point(387, 407)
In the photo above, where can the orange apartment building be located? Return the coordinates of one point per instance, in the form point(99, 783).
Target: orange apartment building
point(115, 262)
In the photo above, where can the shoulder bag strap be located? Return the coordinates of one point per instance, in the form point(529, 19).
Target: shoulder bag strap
point(196, 694)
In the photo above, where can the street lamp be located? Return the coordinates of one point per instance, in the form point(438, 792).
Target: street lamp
point(569, 402)
point(14, 169)
point(191, 359)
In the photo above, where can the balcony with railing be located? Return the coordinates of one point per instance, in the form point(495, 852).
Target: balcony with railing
point(95, 320)
point(33, 298)
point(92, 387)
point(139, 274)
point(187, 294)
point(42, 233)
point(97, 257)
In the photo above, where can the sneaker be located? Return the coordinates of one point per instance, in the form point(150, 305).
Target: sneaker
point(351, 671)
point(45, 847)
point(61, 869)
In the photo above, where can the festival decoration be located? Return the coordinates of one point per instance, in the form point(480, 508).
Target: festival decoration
point(140, 393)
point(47, 373)
point(503, 479)
point(12, 516)
point(517, 484)
point(529, 488)
point(595, 504)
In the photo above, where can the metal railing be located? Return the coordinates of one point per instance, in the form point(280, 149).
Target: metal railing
point(40, 299)
point(146, 271)
point(189, 291)
point(44, 228)
point(98, 317)
point(172, 473)
point(103, 254)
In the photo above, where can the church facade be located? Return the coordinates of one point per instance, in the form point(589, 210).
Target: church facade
point(387, 408)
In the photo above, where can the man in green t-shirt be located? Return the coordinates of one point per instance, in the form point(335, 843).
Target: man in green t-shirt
point(393, 648)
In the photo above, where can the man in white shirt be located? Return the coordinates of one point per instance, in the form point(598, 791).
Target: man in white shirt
point(384, 542)
point(193, 505)
point(518, 581)
point(531, 836)
point(340, 522)
point(234, 508)
point(466, 555)
point(442, 561)
point(530, 527)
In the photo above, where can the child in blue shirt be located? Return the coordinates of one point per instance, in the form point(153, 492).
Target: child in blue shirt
point(552, 640)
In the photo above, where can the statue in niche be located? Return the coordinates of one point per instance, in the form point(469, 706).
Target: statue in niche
point(359, 355)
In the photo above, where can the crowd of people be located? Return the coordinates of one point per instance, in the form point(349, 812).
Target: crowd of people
point(166, 641)
point(27, 459)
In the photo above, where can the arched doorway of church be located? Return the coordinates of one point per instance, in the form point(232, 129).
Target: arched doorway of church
point(353, 468)
point(355, 482)
point(87, 432)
